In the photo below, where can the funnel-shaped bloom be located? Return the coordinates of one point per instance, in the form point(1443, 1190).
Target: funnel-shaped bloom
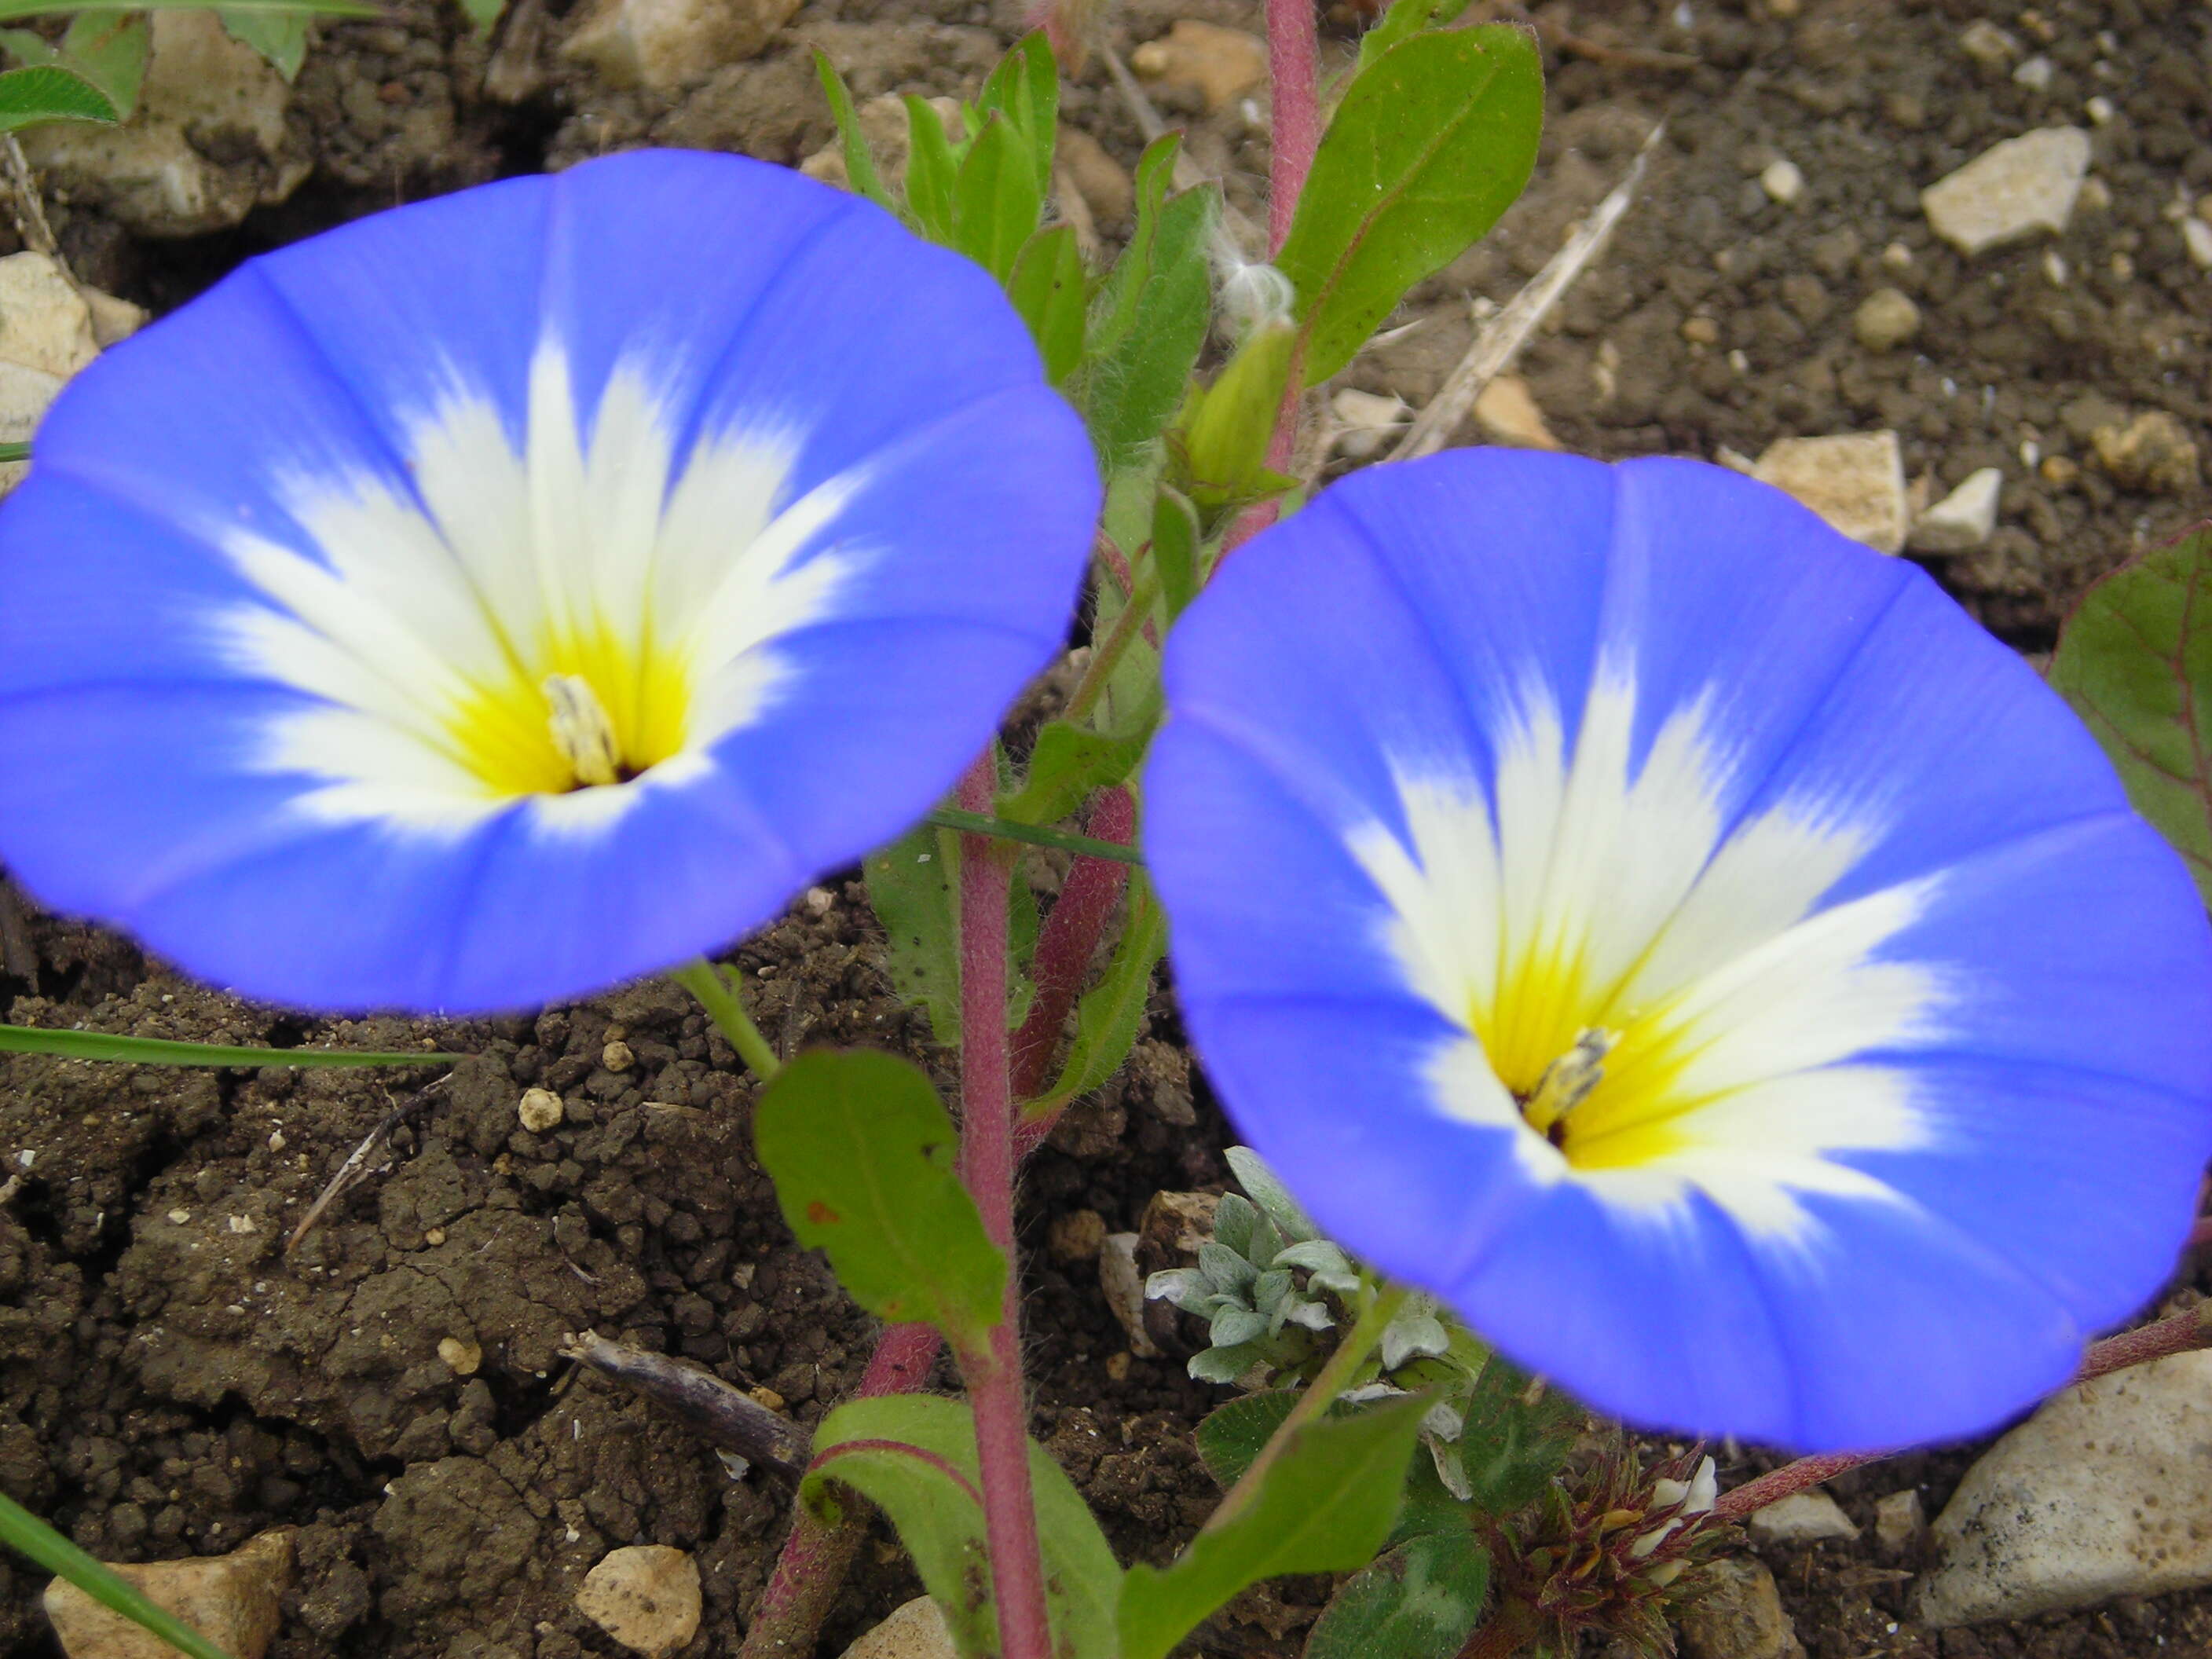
point(1680, 939)
point(507, 594)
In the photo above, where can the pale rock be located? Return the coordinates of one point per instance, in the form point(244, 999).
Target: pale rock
point(2101, 110)
point(644, 1595)
point(1174, 1224)
point(1899, 1523)
point(666, 45)
point(1963, 519)
point(1076, 1236)
point(1365, 420)
point(1219, 65)
point(915, 1630)
point(1123, 1282)
point(24, 395)
point(1803, 1517)
point(1855, 481)
point(616, 1056)
point(883, 124)
point(2096, 195)
point(2036, 73)
point(541, 1109)
point(1885, 319)
point(44, 321)
point(2012, 190)
point(232, 1600)
point(204, 95)
point(1104, 184)
point(1783, 181)
point(2100, 1493)
point(1739, 1615)
point(1507, 411)
point(2153, 453)
point(462, 1357)
point(2198, 236)
point(113, 319)
point(1985, 43)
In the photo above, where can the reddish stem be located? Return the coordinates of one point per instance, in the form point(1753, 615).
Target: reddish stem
point(1070, 939)
point(2179, 1335)
point(993, 1372)
point(1294, 70)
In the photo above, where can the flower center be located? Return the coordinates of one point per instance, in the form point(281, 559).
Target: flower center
point(577, 713)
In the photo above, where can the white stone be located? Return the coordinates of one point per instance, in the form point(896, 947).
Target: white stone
point(2197, 235)
point(45, 322)
point(1963, 519)
point(204, 95)
point(24, 395)
point(1219, 65)
point(1885, 319)
point(1803, 1517)
point(1899, 1523)
point(1855, 481)
point(1124, 1285)
point(915, 1630)
point(2101, 1493)
point(666, 45)
point(2101, 110)
point(1985, 43)
point(1365, 420)
point(2035, 74)
point(2017, 189)
point(1508, 412)
point(644, 1595)
point(541, 1109)
point(232, 1600)
point(1738, 1615)
point(463, 1357)
point(1782, 180)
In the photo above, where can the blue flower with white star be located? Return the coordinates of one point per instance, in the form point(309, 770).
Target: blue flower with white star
point(514, 592)
point(1681, 939)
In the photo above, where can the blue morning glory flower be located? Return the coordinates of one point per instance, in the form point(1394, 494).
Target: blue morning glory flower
point(1681, 939)
point(507, 594)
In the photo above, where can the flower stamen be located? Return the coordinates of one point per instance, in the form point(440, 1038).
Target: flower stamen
point(1567, 1082)
point(582, 731)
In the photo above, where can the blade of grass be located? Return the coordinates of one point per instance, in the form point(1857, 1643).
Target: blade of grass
point(12, 9)
point(156, 1051)
point(22, 1530)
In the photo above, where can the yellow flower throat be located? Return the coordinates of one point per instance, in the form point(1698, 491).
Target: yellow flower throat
point(585, 709)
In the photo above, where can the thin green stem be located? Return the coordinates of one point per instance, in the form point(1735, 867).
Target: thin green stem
point(1106, 656)
point(719, 999)
point(1319, 1395)
point(24, 1531)
point(982, 823)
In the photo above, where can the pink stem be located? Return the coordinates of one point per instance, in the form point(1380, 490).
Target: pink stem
point(993, 1372)
point(1294, 70)
point(2179, 1335)
point(1070, 937)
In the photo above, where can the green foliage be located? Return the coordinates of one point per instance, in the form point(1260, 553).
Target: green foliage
point(1177, 549)
point(859, 161)
point(995, 199)
point(1050, 287)
point(1108, 1017)
point(2136, 661)
point(12, 10)
point(156, 1051)
point(1231, 1436)
point(47, 92)
point(1422, 1599)
point(279, 36)
point(1324, 1505)
point(914, 1457)
point(1222, 439)
point(914, 886)
point(1404, 19)
point(1068, 763)
point(1514, 1437)
point(1433, 140)
point(861, 1152)
point(1024, 90)
point(22, 1530)
point(106, 48)
point(1152, 315)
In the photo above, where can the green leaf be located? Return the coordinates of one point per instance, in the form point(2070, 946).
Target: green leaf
point(913, 1456)
point(931, 172)
point(861, 1152)
point(1048, 287)
point(1404, 18)
point(1231, 1436)
point(1024, 87)
point(1428, 1505)
point(1514, 1443)
point(1223, 437)
point(1068, 765)
point(279, 37)
point(48, 92)
point(22, 1530)
point(860, 160)
point(107, 48)
point(483, 14)
point(1423, 1599)
point(1108, 1018)
point(1030, 835)
point(156, 1051)
point(914, 886)
point(1432, 141)
point(14, 452)
point(1177, 550)
point(1150, 318)
point(12, 9)
point(1325, 1506)
point(2136, 661)
point(995, 199)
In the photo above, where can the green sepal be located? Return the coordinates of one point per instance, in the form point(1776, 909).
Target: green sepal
point(1222, 438)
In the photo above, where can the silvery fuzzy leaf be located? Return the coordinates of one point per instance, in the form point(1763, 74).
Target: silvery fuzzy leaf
point(1270, 1195)
point(1233, 1222)
point(1223, 1364)
point(1443, 1421)
point(1369, 1392)
point(1316, 1255)
point(1415, 1331)
point(1223, 1268)
point(1344, 1285)
point(1233, 1326)
point(1266, 1243)
point(1313, 1315)
point(1451, 1469)
point(1269, 1289)
point(1184, 1286)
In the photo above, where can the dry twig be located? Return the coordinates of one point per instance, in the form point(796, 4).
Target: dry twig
point(727, 1418)
point(355, 1170)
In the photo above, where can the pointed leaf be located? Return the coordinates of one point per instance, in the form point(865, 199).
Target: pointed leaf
point(2136, 661)
point(1423, 1599)
point(859, 161)
point(995, 199)
point(913, 887)
point(1025, 89)
point(931, 171)
point(279, 37)
point(48, 92)
point(1069, 764)
point(22, 1530)
point(861, 1153)
point(1112, 1011)
point(1265, 1189)
point(1048, 287)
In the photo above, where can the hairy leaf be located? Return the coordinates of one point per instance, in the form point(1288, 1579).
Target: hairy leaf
point(1231, 1436)
point(1069, 763)
point(859, 161)
point(995, 199)
point(1049, 288)
point(913, 887)
point(932, 170)
point(1024, 87)
point(1108, 1017)
point(47, 92)
point(1517, 1437)
point(1422, 1599)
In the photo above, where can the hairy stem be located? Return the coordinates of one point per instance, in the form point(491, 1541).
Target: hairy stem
point(1106, 655)
point(719, 999)
point(1294, 72)
point(993, 1372)
point(2179, 1335)
point(1069, 940)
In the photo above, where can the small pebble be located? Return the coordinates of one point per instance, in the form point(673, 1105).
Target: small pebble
point(1985, 43)
point(181, 1217)
point(276, 1140)
point(2035, 74)
point(1117, 1366)
point(1897, 257)
point(1075, 1236)
point(1701, 331)
point(1805, 1517)
point(2099, 110)
point(2197, 235)
point(2095, 196)
point(1783, 181)
point(616, 1056)
point(819, 900)
point(2059, 470)
point(765, 1397)
point(644, 1595)
point(1899, 1523)
point(541, 1109)
point(243, 1224)
point(435, 1237)
point(462, 1357)
point(1885, 319)
point(2054, 267)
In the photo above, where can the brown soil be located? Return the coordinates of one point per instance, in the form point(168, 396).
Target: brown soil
point(172, 1381)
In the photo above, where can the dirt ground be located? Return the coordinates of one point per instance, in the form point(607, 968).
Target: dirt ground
point(172, 1381)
